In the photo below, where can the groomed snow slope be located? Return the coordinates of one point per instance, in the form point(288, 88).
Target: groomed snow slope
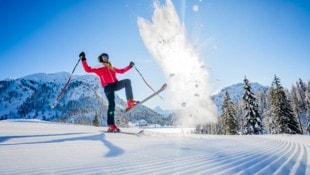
point(34, 147)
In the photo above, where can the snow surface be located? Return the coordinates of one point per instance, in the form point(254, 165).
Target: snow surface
point(36, 147)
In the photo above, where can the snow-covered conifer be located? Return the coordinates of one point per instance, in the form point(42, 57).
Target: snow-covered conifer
point(308, 106)
point(295, 106)
point(252, 119)
point(96, 121)
point(301, 95)
point(230, 123)
point(281, 111)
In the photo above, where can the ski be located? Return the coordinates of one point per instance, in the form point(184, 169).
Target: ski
point(163, 87)
point(139, 133)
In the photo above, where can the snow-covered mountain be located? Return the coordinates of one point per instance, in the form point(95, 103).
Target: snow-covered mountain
point(235, 92)
point(33, 95)
point(163, 112)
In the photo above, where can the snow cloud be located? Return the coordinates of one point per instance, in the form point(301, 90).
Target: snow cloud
point(165, 38)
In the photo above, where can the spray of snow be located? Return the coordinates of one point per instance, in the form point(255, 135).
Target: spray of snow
point(165, 38)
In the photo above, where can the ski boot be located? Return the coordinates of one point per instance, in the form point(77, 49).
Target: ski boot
point(113, 128)
point(131, 104)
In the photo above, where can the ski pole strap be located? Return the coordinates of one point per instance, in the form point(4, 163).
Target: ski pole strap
point(146, 82)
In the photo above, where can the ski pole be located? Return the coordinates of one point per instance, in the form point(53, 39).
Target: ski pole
point(65, 86)
point(146, 82)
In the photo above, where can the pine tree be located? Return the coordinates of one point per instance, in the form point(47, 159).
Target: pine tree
point(281, 111)
point(239, 113)
point(96, 121)
point(308, 106)
point(262, 102)
point(301, 94)
point(219, 128)
point(295, 106)
point(269, 124)
point(230, 123)
point(252, 119)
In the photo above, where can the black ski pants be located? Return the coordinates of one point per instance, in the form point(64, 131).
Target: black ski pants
point(109, 91)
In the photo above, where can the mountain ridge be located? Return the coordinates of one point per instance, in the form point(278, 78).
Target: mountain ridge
point(32, 95)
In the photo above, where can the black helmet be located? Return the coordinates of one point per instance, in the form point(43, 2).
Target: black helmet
point(102, 56)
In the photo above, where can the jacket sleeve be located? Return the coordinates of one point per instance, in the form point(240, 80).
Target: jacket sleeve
point(121, 71)
point(86, 67)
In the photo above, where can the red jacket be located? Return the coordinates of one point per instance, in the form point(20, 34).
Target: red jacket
point(105, 74)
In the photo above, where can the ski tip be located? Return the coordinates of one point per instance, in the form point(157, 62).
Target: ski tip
point(164, 86)
point(141, 132)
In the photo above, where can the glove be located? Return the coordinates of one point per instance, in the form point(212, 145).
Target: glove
point(82, 56)
point(131, 64)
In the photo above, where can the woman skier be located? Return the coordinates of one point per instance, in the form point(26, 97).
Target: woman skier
point(107, 76)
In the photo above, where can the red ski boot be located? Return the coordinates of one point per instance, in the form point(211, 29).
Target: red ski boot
point(113, 128)
point(131, 104)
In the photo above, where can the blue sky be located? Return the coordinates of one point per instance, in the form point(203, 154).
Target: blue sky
point(235, 38)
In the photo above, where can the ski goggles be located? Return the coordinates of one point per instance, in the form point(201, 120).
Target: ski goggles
point(104, 56)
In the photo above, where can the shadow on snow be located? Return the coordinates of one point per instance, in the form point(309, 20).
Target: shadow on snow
point(113, 149)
